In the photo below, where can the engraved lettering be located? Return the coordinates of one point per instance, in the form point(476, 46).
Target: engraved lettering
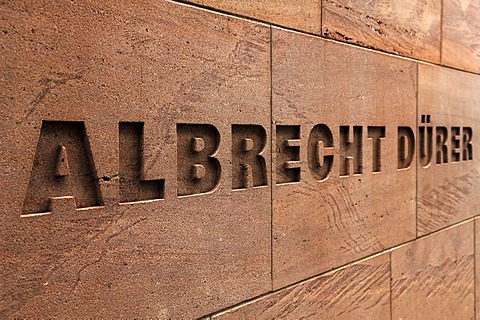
point(376, 134)
point(455, 144)
point(467, 147)
point(248, 165)
point(351, 154)
point(406, 147)
point(288, 153)
point(133, 186)
point(57, 182)
point(425, 145)
point(320, 152)
point(198, 171)
point(63, 175)
point(442, 149)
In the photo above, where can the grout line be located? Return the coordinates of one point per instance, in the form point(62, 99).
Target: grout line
point(316, 35)
point(391, 306)
point(341, 267)
point(474, 269)
point(271, 158)
point(441, 31)
point(417, 163)
point(321, 17)
point(233, 14)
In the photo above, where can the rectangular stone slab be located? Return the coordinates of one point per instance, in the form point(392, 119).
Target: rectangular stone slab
point(302, 15)
point(320, 223)
point(477, 266)
point(460, 30)
point(408, 28)
point(448, 184)
point(117, 149)
point(358, 291)
point(433, 277)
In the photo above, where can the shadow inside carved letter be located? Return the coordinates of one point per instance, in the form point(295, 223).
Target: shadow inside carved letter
point(63, 166)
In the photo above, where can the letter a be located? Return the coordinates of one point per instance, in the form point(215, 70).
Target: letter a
point(63, 173)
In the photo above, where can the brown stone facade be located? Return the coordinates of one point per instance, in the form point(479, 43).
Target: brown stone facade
point(240, 159)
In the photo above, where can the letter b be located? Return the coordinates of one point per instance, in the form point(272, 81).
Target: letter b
point(198, 171)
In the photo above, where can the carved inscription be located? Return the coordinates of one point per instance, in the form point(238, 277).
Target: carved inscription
point(452, 144)
point(320, 151)
point(133, 186)
point(288, 154)
point(351, 151)
point(467, 146)
point(442, 149)
point(425, 134)
point(377, 134)
point(63, 176)
point(406, 147)
point(248, 165)
point(198, 171)
point(63, 173)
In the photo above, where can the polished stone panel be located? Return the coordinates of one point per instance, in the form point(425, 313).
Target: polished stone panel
point(408, 27)
point(120, 127)
point(477, 267)
point(433, 277)
point(358, 291)
point(301, 15)
point(448, 164)
point(460, 34)
point(341, 114)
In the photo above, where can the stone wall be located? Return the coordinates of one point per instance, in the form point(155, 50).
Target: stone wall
point(240, 159)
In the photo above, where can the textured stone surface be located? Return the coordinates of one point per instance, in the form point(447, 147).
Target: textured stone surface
point(477, 267)
point(358, 291)
point(433, 277)
point(83, 68)
point(301, 14)
point(144, 157)
point(318, 225)
point(408, 28)
point(460, 34)
point(448, 183)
